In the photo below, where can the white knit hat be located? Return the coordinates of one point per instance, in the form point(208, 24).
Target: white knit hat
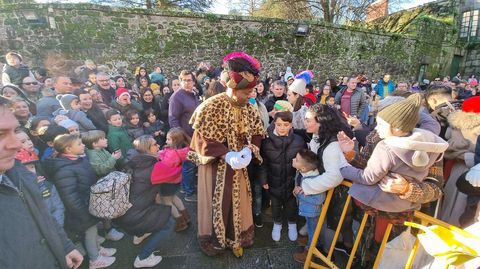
point(300, 83)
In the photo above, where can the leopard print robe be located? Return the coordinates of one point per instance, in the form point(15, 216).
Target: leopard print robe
point(224, 197)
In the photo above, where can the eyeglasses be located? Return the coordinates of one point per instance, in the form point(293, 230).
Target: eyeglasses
point(30, 83)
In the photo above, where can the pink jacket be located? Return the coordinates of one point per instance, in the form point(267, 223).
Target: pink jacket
point(169, 167)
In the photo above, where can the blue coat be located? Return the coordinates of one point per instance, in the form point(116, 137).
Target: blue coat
point(379, 88)
point(310, 205)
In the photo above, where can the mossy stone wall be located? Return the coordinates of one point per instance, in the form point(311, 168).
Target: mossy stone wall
point(181, 40)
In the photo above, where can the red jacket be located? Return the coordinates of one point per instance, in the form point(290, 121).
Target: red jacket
point(169, 167)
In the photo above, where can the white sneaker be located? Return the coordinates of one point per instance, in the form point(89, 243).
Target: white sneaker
point(150, 261)
point(114, 235)
point(101, 262)
point(138, 240)
point(100, 239)
point(292, 232)
point(107, 252)
point(304, 230)
point(276, 232)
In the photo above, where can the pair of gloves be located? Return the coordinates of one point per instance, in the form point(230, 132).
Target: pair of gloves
point(239, 159)
point(473, 176)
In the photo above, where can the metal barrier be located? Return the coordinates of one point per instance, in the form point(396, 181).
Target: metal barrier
point(314, 252)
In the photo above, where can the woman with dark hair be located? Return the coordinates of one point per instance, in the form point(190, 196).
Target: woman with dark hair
point(150, 101)
point(296, 97)
point(262, 92)
point(142, 73)
point(121, 82)
point(324, 123)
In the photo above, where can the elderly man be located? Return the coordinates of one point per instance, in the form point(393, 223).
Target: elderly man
point(227, 136)
point(30, 237)
point(104, 88)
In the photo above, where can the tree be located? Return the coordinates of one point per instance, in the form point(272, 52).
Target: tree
point(193, 5)
point(284, 9)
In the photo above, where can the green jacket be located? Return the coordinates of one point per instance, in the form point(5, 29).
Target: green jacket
point(101, 161)
point(118, 139)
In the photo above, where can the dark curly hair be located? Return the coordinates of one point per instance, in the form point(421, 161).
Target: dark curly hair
point(331, 122)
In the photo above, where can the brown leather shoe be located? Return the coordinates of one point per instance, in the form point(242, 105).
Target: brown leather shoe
point(300, 257)
point(181, 224)
point(185, 215)
point(302, 241)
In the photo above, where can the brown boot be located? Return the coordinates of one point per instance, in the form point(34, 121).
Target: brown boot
point(181, 224)
point(302, 241)
point(185, 215)
point(300, 257)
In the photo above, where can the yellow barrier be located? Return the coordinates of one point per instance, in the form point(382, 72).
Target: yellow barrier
point(327, 260)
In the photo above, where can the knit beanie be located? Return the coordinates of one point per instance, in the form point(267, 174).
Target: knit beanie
point(300, 83)
point(66, 100)
point(288, 74)
point(282, 105)
point(403, 115)
point(121, 91)
point(67, 123)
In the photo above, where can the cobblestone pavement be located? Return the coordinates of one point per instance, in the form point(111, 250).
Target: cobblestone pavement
point(181, 251)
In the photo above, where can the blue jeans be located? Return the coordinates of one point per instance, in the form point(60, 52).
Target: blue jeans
point(189, 182)
point(311, 225)
point(156, 238)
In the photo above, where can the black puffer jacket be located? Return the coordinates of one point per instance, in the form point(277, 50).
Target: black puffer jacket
point(73, 179)
point(276, 170)
point(145, 215)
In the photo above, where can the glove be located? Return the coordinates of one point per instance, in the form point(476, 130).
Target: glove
point(473, 176)
point(246, 155)
point(234, 158)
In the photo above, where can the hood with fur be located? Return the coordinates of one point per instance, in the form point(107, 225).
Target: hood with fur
point(424, 143)
point(464, 120)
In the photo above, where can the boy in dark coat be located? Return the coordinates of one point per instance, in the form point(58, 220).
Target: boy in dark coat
point(278, 175)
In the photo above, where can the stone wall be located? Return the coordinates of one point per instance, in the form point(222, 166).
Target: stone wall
point(61, 36)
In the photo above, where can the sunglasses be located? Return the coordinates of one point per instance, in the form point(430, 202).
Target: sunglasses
point(30, 83)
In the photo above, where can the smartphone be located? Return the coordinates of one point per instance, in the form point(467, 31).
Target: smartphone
point(345, 115)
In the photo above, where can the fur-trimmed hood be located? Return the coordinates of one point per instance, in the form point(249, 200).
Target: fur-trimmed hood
point(464, 120)
point(424, 143)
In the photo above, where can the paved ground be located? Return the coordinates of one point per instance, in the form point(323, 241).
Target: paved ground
point(181, 251)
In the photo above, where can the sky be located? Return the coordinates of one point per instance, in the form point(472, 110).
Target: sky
point(222, 6)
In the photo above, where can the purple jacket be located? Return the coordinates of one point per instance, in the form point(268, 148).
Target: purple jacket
point(182, 105)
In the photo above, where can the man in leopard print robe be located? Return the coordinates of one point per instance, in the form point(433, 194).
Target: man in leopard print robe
point(226, 124)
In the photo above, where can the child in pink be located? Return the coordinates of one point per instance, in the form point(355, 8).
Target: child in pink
point(167, 174)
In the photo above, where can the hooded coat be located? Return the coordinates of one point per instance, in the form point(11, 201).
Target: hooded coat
point(145, 215)
point(409, 156)
point(276, 169)
point(73, 179)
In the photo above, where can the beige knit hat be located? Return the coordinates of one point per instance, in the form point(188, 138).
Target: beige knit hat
point(403, 115)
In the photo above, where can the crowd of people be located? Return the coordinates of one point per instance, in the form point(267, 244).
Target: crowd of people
point(236, 143)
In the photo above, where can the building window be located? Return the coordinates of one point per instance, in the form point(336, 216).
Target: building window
point(469, 26)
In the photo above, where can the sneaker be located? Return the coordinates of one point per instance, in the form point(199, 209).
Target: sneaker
point(107, 252)
point(138, 240)
point(150, 261)
point(191, 198)
point(101, 262)
point(114, 235)
point(292, 232)
point(342, 248)
point(304, 230)
point(182, 191)
point(276, 232)
point(257, 219)
point(100, 239)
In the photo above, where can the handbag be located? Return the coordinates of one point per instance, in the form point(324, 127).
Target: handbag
point(452, 245)
point(109, 197)
point(397, 251)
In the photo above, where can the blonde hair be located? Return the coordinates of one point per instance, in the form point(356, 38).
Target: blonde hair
point(62, 142)
point(179, 138)
point(92, 136)
point(143, 143)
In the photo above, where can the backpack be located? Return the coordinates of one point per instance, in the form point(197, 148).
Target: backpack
point(109, 197)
